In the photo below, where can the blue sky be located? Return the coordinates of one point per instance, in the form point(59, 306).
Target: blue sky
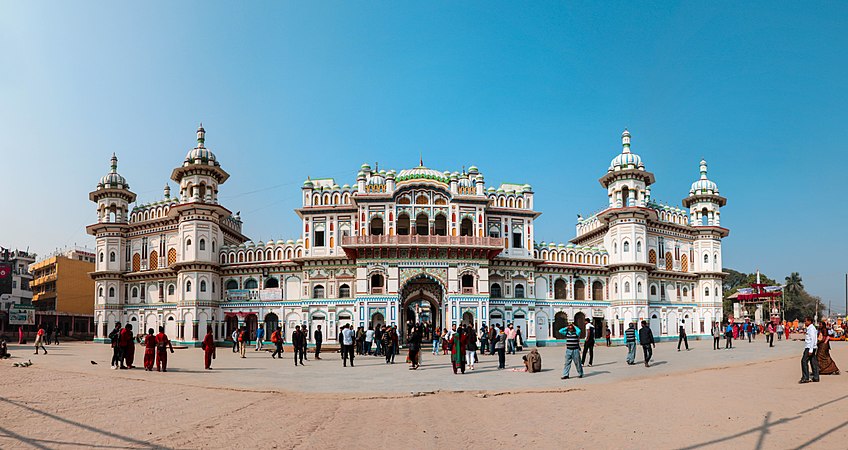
point(534, 92)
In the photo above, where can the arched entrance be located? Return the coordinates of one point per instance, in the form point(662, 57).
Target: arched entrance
point(377, 320)
point(560, 322)
point(232, 325)
point(251, 322)
point(579, 322)
point(271, 323)
point(468, 318)
point(421, 299)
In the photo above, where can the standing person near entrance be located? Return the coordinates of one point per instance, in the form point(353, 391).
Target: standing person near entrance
point(716, 335)
point(779, 331)
point(646, 339)
point(589, 346)
point(208, 346)
point(260, 336)
point(395, 342)
point(499, 346)
point(484, 339)
point(149, 350)
point(493, 336)
point(277, 340)
point(630, 341)
point(682, 335)
point(369, 340)
point(297, 343)
point(470, 347)
point(117, 354)
point(56, 335)
point(728, 334)
point(770, 334)
point(318, 335)
point(348, 341)
point(608, 336)
point(458, 347)
point(437, 335)
point(415, 347)
point(786, 331)
point(511, 334)
point(162, 344)
point(234, 336)
point(572, 350)
point(826, 364)
point(386, 343)
point(378, 339)
point(809, 355)
point(129, 345)
point(243, 340)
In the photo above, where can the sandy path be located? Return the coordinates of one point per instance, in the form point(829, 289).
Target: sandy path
point(753, 405)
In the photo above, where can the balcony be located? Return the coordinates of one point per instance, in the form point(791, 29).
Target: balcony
point(423, 240)
point(247, 295)
point(468, 290)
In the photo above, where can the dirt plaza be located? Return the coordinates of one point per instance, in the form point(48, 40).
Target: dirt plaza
point(747, 397)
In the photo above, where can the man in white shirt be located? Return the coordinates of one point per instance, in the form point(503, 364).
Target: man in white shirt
point(347, 344)
point(369, 339)
point(809, 356)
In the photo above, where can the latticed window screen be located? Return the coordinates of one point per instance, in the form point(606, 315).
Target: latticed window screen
point(172, 256)
point(652, 257)
point(669, 262)
point(153, 260)
point(684, 263)
point(136, 262)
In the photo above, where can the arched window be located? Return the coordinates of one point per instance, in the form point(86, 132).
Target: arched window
point(232, 284)
point(421, 225)
point(170, 289)
point(706, 258)
point(707, 292)
point(134, 292)
point(626, 247)
point(100, 291)
point(625, 194)
point(344, 291)
point(559, 289)
point(403, 224)
point(495, 291)
point(626, 287)
point(111, 292)
point(213, 246)
point(639, 287)
point(579, 290)
point(440, 227)
point(597, 290)
point(251, 284)
point(638, 246)
point(101, 256)
point(201, 244)
point(615, 248)
point(271, 283)
point(202, 285)
point(467, 282)
point(376, 284)
point(318, 291)
point(112, 257)
point(376, 228)
point(466, 227)
point(685, 292)
point(519, 291)
point(188, 285)
point(653, 289)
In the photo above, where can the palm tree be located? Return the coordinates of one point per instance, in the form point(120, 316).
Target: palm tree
point(794, 284)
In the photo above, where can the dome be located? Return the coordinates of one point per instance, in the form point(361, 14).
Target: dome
point(626, 160)
point(308, 183)
point(201, 154)
point(473, 170)
point(704, 185)
point(421, 173)
point(113, 180)
point(365, 167)
point(465, 182)
point(376, 180)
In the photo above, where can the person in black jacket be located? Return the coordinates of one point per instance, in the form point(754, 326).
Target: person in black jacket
point(297, 342)
point(646, 339)
point(319, 339)
point(682, 334)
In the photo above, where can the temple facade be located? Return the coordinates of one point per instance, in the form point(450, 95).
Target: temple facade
point(415, 245)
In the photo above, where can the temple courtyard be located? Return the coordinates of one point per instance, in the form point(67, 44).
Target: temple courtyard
point(743, 398)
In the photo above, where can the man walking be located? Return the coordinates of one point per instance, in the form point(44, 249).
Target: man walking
point(682, 335)
point(728, 333)
point(234, 336)
point(39, 341)
point(297, 343)
point(162, 344)
point(589, 346)
point(770, 334)
point(319, 339)
point(716, 335)
point(630, 341)
point(348, 339)
point(386, 343)
point(277, 340)
point(260, 336)
point(117, 354)
point(646, 339)
point(809, 355)
point(243, 340)
point(572, 350)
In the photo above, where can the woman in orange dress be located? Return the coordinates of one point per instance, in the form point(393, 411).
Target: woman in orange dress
point(149, 350)
point(208, 348)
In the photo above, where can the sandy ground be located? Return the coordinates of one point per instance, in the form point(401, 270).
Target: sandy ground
point(744, 398)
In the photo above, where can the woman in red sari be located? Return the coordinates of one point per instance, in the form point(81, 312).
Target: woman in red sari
point(149, 350)
point(826, 364)
point(208, 346)
point(457, 348)
point(126, 340)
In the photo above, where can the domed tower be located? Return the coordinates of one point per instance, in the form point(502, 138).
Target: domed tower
point(704, 203)
point(112, 196)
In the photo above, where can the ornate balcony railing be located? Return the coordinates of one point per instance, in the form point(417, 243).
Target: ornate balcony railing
point(422, 240)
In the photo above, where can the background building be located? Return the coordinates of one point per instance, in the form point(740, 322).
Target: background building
point(62, 291)
point(415, 245)
point(21, 293)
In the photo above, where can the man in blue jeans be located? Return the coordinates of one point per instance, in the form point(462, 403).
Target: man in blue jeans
point(630, 340)
point(572, 350)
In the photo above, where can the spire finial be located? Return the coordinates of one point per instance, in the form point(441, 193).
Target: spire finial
point(201, 135)
point(114, 163)
point(167, 191)
point(625, 141)
point(420, 160)
point(703, 169)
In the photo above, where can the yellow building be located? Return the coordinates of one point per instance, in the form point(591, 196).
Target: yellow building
point(62, 290)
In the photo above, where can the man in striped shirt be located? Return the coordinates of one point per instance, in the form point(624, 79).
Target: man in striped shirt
point(572, 350)
point(630, 340)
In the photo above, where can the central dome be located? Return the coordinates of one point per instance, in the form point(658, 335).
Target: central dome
point(422, 173)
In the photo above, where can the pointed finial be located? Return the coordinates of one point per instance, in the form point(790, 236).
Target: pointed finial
point(167, 191)
point(114, 163)
point(420, 160)
point(625, 141)
point(703, 169)
point(201, 135)
point(376, 167)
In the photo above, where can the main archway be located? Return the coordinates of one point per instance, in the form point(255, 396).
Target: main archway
point(420, 302)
